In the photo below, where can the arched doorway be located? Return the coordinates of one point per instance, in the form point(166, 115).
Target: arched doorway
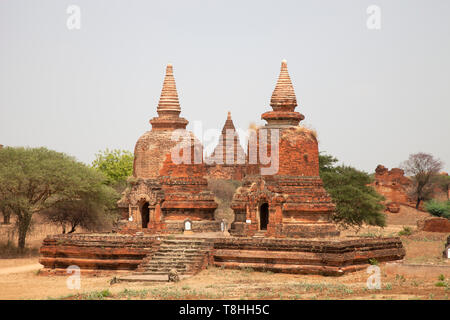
point(145, 215)
point(263, 216)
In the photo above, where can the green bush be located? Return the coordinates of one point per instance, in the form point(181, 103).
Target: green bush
point(438, 208)
point(357, 202)
point(405, 232)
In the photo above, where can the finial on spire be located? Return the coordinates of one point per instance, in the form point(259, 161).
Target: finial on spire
point(169, 96)
point(284, 95)
point(229, 115)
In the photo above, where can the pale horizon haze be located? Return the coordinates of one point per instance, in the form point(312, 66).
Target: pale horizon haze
point(374, 96)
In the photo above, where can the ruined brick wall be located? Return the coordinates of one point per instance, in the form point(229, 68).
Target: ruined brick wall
point(96, 251)
point(186, 194)
point(434, 224)
point(299, 153)
point(392, 184)
point(326, 257)
point(227, 172)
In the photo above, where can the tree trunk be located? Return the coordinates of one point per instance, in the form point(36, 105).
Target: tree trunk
point(417, 204)
point(21, 240)
point(24, 222)
point(74, 226)
point(6, 218)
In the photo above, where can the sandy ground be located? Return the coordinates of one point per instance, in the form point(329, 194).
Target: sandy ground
point(216, 283)
point(20, 269)
point(20, 279)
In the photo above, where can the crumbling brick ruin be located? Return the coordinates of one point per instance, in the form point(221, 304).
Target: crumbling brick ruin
point(282, 213)
point(393, 185)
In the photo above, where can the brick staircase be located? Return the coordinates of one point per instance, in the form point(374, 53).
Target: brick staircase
point(260, 234)
point(187, 256)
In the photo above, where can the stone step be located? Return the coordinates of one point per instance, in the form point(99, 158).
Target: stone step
point(165, 267)
point(168, 248)
point(184, 242)
point(156, 261)
point(162, 277)
point(163, 249)
point(177, 255)
point(163, 262)
point(183, 255)
point(164, 273)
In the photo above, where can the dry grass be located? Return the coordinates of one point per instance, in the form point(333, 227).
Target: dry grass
point(307, 130)
point(217, 283)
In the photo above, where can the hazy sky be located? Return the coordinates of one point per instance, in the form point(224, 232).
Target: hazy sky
point(374, 96)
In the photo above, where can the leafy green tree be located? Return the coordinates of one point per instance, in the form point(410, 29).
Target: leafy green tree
point(116, 165)
point(356, 201)
point(33, 180)
point(443, 183)
point(94, 207)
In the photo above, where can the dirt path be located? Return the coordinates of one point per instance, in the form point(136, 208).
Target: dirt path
point(20, 269)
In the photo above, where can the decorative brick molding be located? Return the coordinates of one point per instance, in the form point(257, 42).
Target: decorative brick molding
point(96, 252)
point(103, 252)
point(326, 257)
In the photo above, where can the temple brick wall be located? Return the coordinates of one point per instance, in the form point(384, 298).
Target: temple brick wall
point(95, 251)
point(393, 185)
point(111, 252)
point(326, 257)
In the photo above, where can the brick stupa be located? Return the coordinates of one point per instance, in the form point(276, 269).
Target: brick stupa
point(152, 196)
point(289, 201)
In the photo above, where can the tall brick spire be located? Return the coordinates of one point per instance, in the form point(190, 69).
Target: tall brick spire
point(229, 150)
point(169, 95)
point(168, 106)
point(283, 102)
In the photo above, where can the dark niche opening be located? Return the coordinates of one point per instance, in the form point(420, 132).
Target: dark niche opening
point(145, 213)
point(264, 216)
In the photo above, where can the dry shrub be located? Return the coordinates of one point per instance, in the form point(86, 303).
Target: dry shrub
point(253, 126)
point(307, 130)
point(223, 191)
